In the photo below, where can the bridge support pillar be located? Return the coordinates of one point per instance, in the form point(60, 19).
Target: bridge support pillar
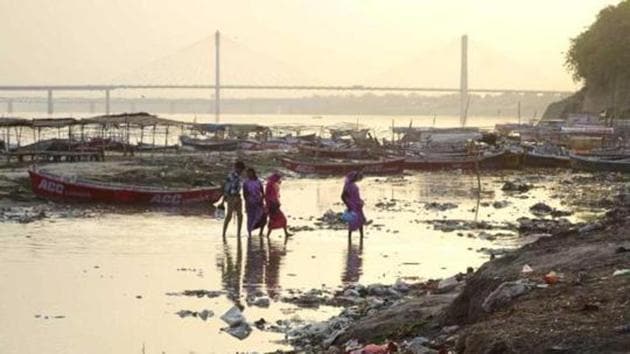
point(217, 78)
point(50, 102)
point(107, 102)
point(463, 85)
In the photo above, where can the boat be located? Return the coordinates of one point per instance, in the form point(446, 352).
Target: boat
point(332, 152)
point(600, 164)
point(143, 147)
point(209, 145)
point(493, 161)
point(379, 167)
point(546, 156)
point(68, 189)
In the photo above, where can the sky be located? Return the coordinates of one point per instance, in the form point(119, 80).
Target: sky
point(513, 43)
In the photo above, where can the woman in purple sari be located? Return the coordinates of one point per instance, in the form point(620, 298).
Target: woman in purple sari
point(352, 199)
point(254, 202)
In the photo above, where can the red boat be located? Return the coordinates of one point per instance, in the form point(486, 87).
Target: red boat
point(496, 161)
point(335, 153)
point(69, 189)
point(382, 167)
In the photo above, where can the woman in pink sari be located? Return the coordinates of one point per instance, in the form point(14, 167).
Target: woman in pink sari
point(352, 199)
point(254, 202)
point(277, 220)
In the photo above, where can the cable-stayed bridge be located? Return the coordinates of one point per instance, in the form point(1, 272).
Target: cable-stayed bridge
point(234, 67)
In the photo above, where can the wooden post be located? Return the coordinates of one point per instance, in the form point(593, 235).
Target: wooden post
point(166, 138)
point(153, 141)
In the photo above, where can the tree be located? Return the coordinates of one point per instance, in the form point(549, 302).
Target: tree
point(600, 56)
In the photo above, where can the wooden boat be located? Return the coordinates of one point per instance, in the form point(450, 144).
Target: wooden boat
point(495, 161)
point(209, 145)
point(144, 147)
point(379, 167)
point(534, 159)
point(65, 189)
point(599, 164)
point(341, 153)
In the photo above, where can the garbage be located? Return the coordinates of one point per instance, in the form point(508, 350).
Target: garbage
point(504, 293)
point(551, 278)
point(240, 331)
point(233, 317)
point(621, 272)
point(623, 329)
point(377, 349)
point(527, 269)
point(204, 315)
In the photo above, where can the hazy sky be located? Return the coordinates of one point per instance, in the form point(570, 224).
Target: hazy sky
point(513, 43)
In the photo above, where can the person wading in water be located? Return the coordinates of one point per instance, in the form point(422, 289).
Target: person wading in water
point(254, 202)
point(277, 220)
point(352, 199)
point(232, 197)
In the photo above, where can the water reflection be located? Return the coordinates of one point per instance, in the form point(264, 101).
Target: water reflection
point(354, 262)
point(258, 271)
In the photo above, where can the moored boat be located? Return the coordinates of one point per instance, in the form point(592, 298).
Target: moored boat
point(332, 152)
point(209, 145)
point(535, 159)
point(379, 167)
point(66, 189)
point(600, 164)
point(496, 161)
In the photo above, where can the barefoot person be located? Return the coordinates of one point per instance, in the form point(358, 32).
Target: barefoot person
point(254, 202)
point(277, 220)
point(232, 197)
point(352, 199)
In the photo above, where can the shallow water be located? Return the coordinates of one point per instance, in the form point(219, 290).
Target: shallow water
point(109, 275)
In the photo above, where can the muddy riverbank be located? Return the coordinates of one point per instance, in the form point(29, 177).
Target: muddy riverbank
point(169, 277)
point(568, 292)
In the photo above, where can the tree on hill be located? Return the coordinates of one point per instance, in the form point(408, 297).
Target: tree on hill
point(600, 56)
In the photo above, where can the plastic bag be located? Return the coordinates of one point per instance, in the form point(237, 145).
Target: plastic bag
point(348, 216)
point(219, 212)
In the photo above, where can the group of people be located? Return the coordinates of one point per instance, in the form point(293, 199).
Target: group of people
point(262, 203)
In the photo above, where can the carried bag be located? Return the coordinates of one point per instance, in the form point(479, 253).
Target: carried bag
point(219, 212)
point(348, 216)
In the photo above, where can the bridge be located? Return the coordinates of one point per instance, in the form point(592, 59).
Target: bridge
point(218, 87)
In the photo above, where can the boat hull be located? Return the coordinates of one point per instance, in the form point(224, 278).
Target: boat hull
point(546, 161)
point(386, 167)
point(332, 153)
point(208, 145)
point(60, 189)
point(499, 161)
point(599, 165)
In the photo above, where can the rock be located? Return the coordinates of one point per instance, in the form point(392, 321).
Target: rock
point(446, 285)
point(516, 187)
point(503, 294)
point(233, 317)
point(440, 206)
point(590, 227)
point(540, 209)
point(260, 324)
point(262, 302)
point(500, 204)
point(205, 314)
point(351, 293)
point(240, 331)
point(450, 329)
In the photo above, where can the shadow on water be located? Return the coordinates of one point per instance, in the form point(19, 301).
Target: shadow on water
point(354, 263)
